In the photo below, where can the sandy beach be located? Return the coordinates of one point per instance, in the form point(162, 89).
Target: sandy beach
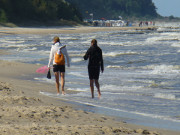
point(24, 111)
point(55, 30)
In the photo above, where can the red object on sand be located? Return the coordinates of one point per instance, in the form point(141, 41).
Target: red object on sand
point(42, 70)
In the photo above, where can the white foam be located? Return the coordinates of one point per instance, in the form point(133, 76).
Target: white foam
point(111, 43)
point(42, 52)
point(69, 38)
point(161, 38)
point(78, 89)
point(152, 39)
point(74, 60)
point(156, 116)
point(165, 96)
point(115, 66)
point(27, 50)
point(176, 44)
point(13, 45)
point(79, 74)
point(118, 88)
point(170, 34)
point(114, 54)
point(164, 69)
point(76, 51)
point(44, 80)
point(76, 55)
point(13, 41)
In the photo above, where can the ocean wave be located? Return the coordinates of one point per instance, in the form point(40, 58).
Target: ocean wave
point(143, 81)
point(158, 69)
point(114, 88)
point(169, 39)
point(168, 29)
point(76, 55)
point(79, 74)
point(75, 60)
point(27, 49)
point(115, 66)
point(10, 41)
point(111, 43)
point(155, 39)
point(135, 32)
point(114, 54)
point(78, 89)
point(163, 69)
point(176, 44)
point(44, 79)
point(69, 38)
point(177, 117)
point(170, 34)
point(21, 46)
point(165, 96)
point(12, 46)
point(43, 52)
point(127, 43)
point(156, 116)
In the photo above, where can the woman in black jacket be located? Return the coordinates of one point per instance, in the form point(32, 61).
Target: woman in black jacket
point(94, 53)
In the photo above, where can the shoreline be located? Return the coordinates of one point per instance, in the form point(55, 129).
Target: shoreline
point(66, 30)
point(25, 111)
point(43, 114)
point(24, 107)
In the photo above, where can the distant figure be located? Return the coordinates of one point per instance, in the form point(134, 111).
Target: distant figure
point(140, 24)
point(57, 53)
point(95, 23)
point(94, 54)
point(127, 24)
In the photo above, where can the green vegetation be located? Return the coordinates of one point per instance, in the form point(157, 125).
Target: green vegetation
point(37, 11)
point(71, 12)
point(112, 9)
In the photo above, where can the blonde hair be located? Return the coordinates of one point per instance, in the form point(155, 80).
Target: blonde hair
point(56, 39)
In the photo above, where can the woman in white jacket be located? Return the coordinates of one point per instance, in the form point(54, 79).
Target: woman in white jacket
point(59, 70)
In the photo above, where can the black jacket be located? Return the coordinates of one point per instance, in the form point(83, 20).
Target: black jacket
point(94, 53)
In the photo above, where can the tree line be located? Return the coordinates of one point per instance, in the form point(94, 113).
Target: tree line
point(112, 9)
point(75, 10)
point(38, 10)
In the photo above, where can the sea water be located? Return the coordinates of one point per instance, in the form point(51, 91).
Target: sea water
point(141, 78)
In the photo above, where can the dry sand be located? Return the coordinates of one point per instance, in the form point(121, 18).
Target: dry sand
point(24, 111)
point(56, 30)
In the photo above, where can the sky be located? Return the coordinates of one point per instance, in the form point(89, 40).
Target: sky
point(168, 7)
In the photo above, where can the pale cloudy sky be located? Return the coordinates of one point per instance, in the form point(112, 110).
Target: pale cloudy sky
point(168, 7)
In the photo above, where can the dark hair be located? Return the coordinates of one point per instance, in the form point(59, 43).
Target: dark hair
point(94, 42)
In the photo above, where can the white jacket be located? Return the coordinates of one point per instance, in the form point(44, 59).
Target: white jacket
point(54, 50)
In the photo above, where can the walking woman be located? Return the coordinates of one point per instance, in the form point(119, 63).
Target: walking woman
point(58, 49)
point(94, 54)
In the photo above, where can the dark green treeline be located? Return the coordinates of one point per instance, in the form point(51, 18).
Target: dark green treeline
point(112, 9)
point(74, 10)
point(37, 10)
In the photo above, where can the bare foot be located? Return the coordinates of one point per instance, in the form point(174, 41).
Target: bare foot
point(63, 93)
point(99, 96)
